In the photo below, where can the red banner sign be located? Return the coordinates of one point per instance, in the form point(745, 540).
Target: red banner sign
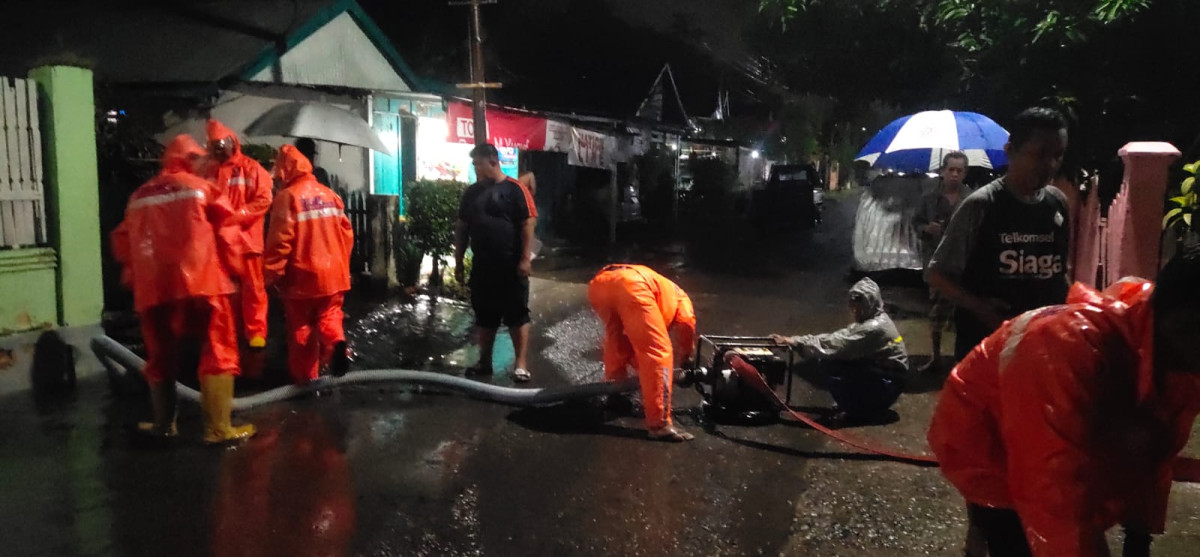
point(505, 129)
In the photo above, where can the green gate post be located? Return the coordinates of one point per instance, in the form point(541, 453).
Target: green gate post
point(72, 189)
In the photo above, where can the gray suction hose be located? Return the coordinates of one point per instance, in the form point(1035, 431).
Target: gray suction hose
point(119, 361)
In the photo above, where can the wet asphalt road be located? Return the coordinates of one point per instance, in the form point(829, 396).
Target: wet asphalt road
point(382, 470)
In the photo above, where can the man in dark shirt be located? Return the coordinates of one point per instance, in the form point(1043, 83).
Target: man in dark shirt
point(308, 148)
point(1005, 249)
point(496, 218)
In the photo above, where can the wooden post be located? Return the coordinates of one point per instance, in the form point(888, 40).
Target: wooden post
point(478, 86)
point(478, 94)
point(383, 210)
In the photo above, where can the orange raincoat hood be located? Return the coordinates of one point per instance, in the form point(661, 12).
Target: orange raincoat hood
point(291, 165)
point(217, 131)
point(247, 186)
point(1130, 297)
point(181, 154)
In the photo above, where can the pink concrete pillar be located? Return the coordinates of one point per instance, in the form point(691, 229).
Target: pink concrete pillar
point(1085, 241)
point(1144, 195)
point(1070, 190)
point(1114, 244)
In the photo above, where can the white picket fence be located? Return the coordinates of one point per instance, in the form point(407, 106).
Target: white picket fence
point(22, 193)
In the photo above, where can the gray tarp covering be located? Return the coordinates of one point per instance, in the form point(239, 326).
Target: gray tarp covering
point(884, 237)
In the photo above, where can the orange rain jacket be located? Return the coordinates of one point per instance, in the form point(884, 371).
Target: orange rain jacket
point(1062, 416)
point(246, 184)
point(640, 308)
point(310, 238)
point(168, 243)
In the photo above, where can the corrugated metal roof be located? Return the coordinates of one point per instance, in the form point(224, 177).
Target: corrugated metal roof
point(141, 41)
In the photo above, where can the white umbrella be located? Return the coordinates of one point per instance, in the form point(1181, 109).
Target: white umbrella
point(317, 121)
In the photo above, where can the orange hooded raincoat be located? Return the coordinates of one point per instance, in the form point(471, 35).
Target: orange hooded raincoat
point(307, 256)
point(172, 255)
point(247, 186)
point(1061, 416)
point(640, 308)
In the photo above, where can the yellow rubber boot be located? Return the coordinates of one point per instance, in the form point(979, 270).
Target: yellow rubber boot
point(162, 402)
point(216, 400)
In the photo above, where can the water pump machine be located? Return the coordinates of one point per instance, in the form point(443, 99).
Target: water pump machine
point(728, 397)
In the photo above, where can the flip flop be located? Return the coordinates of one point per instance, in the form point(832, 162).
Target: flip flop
point(671, 435)
point(521, 375)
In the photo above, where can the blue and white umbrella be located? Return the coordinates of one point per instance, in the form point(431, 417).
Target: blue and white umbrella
point(917, 143)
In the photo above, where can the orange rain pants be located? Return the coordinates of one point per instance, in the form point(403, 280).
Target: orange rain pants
point(637, 306)
point(207, 319)
point(251, 297)
point(314, 325)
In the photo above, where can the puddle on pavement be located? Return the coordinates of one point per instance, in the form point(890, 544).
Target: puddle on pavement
point(575, 347)
point(427, 333)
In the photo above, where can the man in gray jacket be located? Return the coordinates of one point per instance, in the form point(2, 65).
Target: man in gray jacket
point(866, 362)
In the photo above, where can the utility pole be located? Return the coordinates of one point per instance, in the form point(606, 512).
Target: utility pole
point(477, 85)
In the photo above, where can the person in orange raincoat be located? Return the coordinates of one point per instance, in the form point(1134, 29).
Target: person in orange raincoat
point(640, 309)
point(1068, 420)
point(247, 185)
point(172, 256)
point(308, 258)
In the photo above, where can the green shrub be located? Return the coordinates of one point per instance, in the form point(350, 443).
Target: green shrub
point(432, 207)
point(261, 152)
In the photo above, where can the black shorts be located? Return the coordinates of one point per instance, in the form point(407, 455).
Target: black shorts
point(499, 295)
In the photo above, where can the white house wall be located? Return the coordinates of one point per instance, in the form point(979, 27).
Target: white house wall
point(338, 54)
point(236, 109)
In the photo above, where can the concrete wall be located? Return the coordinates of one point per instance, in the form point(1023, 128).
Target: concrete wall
point(36, 291)
point(28, 297)
point(240, 106)
point(73, 190)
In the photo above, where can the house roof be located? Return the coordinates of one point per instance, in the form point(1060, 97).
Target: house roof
point(183, 41)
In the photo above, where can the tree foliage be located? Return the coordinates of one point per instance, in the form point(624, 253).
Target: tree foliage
point(977, 25)
point(1181, 208)
point(1112, 66)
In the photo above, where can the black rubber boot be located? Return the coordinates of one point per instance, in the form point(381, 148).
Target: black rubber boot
point(340, 364)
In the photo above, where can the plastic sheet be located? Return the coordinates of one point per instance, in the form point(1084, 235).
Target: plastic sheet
point(884, 235)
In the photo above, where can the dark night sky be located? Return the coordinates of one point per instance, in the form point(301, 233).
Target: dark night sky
point(598, 56)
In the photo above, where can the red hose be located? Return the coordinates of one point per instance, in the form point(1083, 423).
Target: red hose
point(1186, 469)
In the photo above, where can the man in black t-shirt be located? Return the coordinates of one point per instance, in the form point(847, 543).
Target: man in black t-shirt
point(496, 218)
point(1005, 249)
